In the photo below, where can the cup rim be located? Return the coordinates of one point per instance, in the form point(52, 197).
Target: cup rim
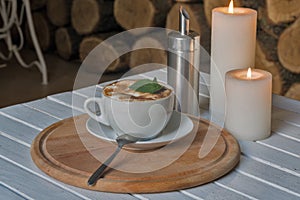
point(145, 101)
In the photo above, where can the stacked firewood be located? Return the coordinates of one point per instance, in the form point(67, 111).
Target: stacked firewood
point(75, 27)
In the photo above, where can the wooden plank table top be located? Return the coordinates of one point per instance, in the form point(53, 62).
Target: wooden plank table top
point(268, 169)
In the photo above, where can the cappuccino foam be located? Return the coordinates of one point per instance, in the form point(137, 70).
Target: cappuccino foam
point(120, 90)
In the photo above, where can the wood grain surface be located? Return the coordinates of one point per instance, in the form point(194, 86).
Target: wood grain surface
point(67, 152)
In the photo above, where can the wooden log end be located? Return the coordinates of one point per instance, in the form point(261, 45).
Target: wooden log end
point(280, 11)
point(144, 55)
point(90, 16)
point(67, 43)
point(108, 53)
point(135, 13)
point(44, 37)
point(85, 15)
point(58, 12)
point(288, 47)
point(87, 45)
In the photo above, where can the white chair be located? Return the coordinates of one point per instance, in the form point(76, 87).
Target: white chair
point(10, 17)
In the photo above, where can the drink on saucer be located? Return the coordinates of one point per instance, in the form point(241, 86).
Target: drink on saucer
point(141, 108)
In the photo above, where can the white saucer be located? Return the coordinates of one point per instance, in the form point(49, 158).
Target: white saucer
point(179, 126)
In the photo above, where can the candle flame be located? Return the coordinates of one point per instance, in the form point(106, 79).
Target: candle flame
point(249, 73)
point(230, 7)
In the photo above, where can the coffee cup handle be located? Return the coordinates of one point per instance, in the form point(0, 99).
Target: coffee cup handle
point(98, 117)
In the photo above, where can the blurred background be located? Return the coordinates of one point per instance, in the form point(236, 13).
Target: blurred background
point(67, 30)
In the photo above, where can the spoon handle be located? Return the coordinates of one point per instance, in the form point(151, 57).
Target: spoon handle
point(97, 174)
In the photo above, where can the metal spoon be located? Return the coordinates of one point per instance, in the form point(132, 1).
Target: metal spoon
point(121, 140)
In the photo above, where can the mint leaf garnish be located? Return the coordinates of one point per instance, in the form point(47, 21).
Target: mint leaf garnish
point(146, 86)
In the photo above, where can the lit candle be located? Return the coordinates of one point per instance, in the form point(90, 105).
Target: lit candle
point(232, 47)
point(248, 103)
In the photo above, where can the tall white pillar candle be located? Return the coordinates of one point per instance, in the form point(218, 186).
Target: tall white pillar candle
point(232, 47)
point(249, 100)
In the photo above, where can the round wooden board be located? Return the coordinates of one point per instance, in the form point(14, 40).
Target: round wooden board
point(66, 152)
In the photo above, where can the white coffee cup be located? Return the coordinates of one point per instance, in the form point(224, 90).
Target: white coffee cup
point(143, 119)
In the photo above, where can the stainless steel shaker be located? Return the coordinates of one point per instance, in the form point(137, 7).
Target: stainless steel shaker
point(183, 65)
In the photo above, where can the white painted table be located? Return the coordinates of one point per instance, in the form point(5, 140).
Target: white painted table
point(269, 169)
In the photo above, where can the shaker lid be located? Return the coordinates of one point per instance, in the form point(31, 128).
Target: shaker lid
point(184, 39)
point(184, 21)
